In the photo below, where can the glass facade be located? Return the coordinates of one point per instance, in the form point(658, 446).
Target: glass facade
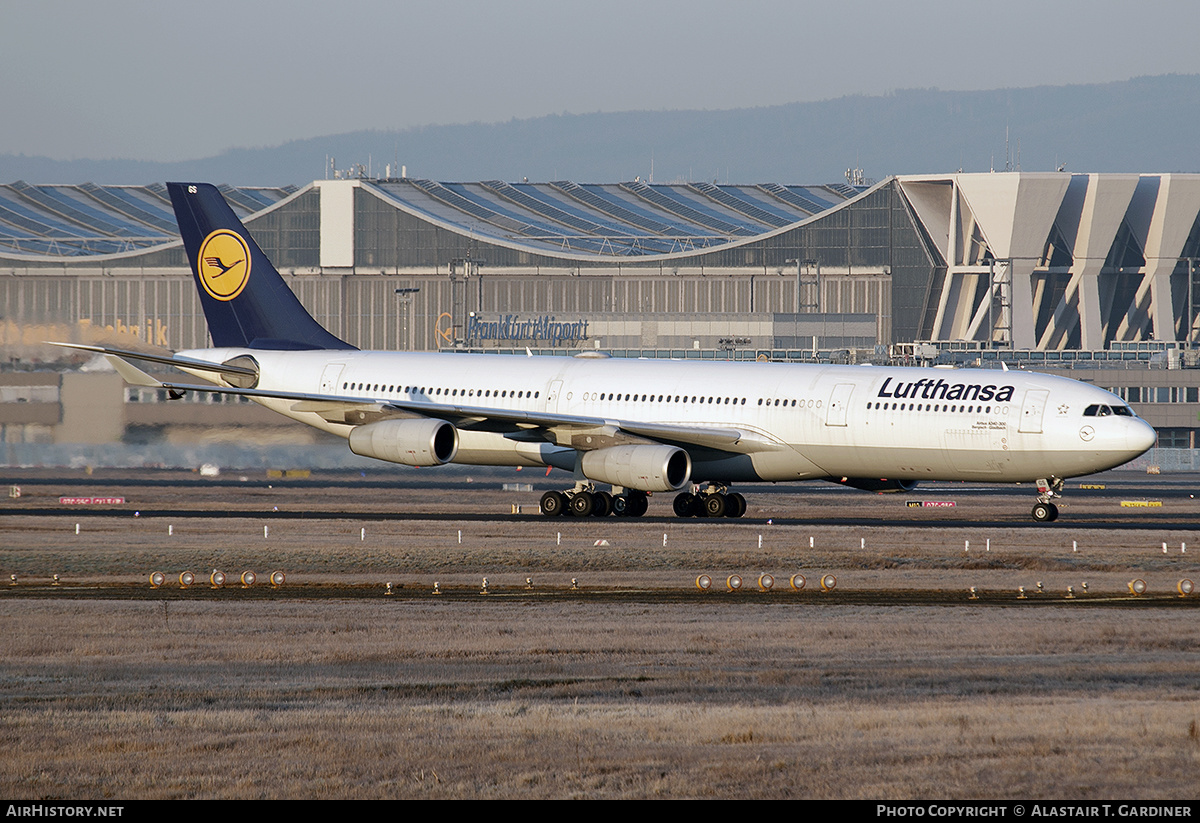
point(867, 255)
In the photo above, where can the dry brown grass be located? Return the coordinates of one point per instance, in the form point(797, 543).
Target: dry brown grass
point(722, 696)
point(501, 699)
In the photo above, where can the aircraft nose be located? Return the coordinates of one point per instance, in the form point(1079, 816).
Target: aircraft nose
point(1141, 436)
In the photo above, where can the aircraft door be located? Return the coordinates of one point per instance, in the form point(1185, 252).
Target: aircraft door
point(839, 403)
point(329, 378)
point(1032, 410)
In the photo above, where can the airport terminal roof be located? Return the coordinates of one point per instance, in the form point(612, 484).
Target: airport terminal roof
point(620, 219)
point(82, 220)
point(604, 219)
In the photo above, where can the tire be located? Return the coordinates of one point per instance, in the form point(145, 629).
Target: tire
point(714, 505)
point(684, 504)
point(602, 504)
point(620, 505)
point(1044, 512)
point(581, 504)
point(553, 504)
point(735, 505)
point(638, 503)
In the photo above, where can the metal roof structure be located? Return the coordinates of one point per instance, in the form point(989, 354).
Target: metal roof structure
point(71, 221)
point(607, 220)
point(611, 219)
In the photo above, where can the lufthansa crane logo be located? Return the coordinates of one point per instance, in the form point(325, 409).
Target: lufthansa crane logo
point(224, 264)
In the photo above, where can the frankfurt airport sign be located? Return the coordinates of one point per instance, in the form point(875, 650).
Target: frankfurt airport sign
point(513, 327)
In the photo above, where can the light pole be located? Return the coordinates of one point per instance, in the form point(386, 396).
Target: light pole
point(406, 295)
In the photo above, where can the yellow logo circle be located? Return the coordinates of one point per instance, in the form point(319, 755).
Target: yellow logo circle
point(224, 264)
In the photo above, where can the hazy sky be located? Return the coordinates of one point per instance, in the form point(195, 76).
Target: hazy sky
point(181, 80)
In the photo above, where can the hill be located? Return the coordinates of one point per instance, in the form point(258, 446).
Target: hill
point(1140, 125)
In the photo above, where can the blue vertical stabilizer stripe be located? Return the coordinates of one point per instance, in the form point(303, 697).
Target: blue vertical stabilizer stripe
point(266, 313)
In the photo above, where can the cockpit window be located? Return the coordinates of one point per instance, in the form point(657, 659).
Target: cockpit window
point(1099, 410)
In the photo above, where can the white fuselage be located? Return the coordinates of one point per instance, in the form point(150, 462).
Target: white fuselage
point(813, 421)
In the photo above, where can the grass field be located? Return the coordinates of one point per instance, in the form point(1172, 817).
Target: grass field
point(716, 695)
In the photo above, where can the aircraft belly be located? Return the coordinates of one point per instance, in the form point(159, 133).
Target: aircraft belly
point(284, 407)
point(773, 466)
point(478, 448)
point(785, 465)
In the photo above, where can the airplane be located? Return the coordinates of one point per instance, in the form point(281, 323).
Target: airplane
point(639, 426)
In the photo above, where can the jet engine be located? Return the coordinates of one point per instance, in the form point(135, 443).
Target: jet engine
point(871, 484)
point(646, 468)
point(413, 442)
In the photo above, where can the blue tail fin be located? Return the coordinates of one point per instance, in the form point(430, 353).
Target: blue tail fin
point(245, 300)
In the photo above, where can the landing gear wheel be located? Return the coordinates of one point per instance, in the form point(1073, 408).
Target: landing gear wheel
point(602, 504)
point(714, 505)
point(638, 504)
point(685, 504)
point(620, 505)
point(553, 504)
point(582, 504)
point(1045, 512)
point(735, 505)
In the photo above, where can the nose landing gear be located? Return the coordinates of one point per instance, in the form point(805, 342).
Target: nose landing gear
point(1044, 511)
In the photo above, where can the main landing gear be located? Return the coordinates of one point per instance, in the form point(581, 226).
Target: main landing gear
point(711, 502)
point(1044, 511)
point(588, 502)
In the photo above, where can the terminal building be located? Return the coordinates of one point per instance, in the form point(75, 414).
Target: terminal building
point(1094, 275)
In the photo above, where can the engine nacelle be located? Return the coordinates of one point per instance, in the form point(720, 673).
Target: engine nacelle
point(413, 442)
point(871, 484)
point(645, 468)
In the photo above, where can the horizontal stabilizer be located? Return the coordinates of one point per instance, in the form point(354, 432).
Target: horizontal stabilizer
point(131, 373)
point(177, 362)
